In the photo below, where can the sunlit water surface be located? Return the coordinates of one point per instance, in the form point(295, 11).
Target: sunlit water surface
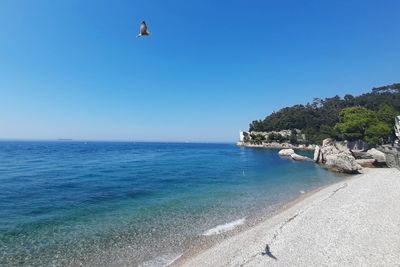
point(115, 203)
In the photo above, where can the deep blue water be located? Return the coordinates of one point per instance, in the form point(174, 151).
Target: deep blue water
point(115, 203)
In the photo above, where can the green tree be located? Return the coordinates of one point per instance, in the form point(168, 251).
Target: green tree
point(280, 138)
point(377, 132)
point(257, 138)
point(386, 114)
point(354, 122)
point(312, 117)
point(271, 137)
point(325, 131)
point(293, 138)
point(362, 123)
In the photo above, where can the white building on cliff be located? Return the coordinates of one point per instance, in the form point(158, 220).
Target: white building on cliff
point(241, 137)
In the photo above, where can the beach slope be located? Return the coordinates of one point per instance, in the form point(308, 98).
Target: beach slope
point(352, 223)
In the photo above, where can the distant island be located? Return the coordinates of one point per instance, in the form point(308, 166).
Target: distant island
point(368, 118)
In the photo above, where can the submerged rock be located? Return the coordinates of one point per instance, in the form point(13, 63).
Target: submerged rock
point(295, 156)
point(286, 152)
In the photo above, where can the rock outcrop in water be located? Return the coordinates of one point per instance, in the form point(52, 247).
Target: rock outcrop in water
point(290, 153)
point(336, 157)
point(286, 152)
point(295, 156)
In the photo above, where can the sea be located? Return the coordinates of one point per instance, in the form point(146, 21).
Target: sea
point(69, 203)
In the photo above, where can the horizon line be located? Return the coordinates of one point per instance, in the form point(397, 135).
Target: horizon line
point(111, 140)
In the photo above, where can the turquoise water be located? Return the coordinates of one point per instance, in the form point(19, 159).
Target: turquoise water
point(115, 203)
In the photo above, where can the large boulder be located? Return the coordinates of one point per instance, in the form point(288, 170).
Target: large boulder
point(342, 162)
point(295, 156)
point(328, 148)
point(336, 157)
point(377, 155)
point(286, 152)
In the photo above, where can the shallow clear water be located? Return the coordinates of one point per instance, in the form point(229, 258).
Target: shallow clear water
point(105, 203)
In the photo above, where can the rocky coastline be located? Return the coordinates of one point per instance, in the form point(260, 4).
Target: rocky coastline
point(337, 156)
point(277, 146)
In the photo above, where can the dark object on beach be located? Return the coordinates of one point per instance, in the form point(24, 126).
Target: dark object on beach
point(143, 30)
point(268, 253)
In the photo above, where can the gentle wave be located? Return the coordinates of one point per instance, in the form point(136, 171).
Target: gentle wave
point(162, 261)
point(219, 229)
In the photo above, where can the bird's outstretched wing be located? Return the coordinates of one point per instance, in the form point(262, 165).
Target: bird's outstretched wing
point(143, 28)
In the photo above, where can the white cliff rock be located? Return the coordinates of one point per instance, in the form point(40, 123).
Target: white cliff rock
point(317, 151)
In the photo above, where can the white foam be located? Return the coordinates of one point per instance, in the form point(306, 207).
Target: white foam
point(162, 261)
point(219, 229)
point(302, 192)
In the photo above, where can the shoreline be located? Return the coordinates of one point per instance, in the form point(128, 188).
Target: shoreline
point(210, 241)
point(275, 145)
point(213, 240)
point(244, 245)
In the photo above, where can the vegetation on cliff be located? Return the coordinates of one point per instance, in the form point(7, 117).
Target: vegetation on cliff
point(368, 117)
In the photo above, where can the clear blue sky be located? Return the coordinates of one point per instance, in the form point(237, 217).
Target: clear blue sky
point(75, 69)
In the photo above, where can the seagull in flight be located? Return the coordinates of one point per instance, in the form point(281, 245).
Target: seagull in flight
point(143, 30)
